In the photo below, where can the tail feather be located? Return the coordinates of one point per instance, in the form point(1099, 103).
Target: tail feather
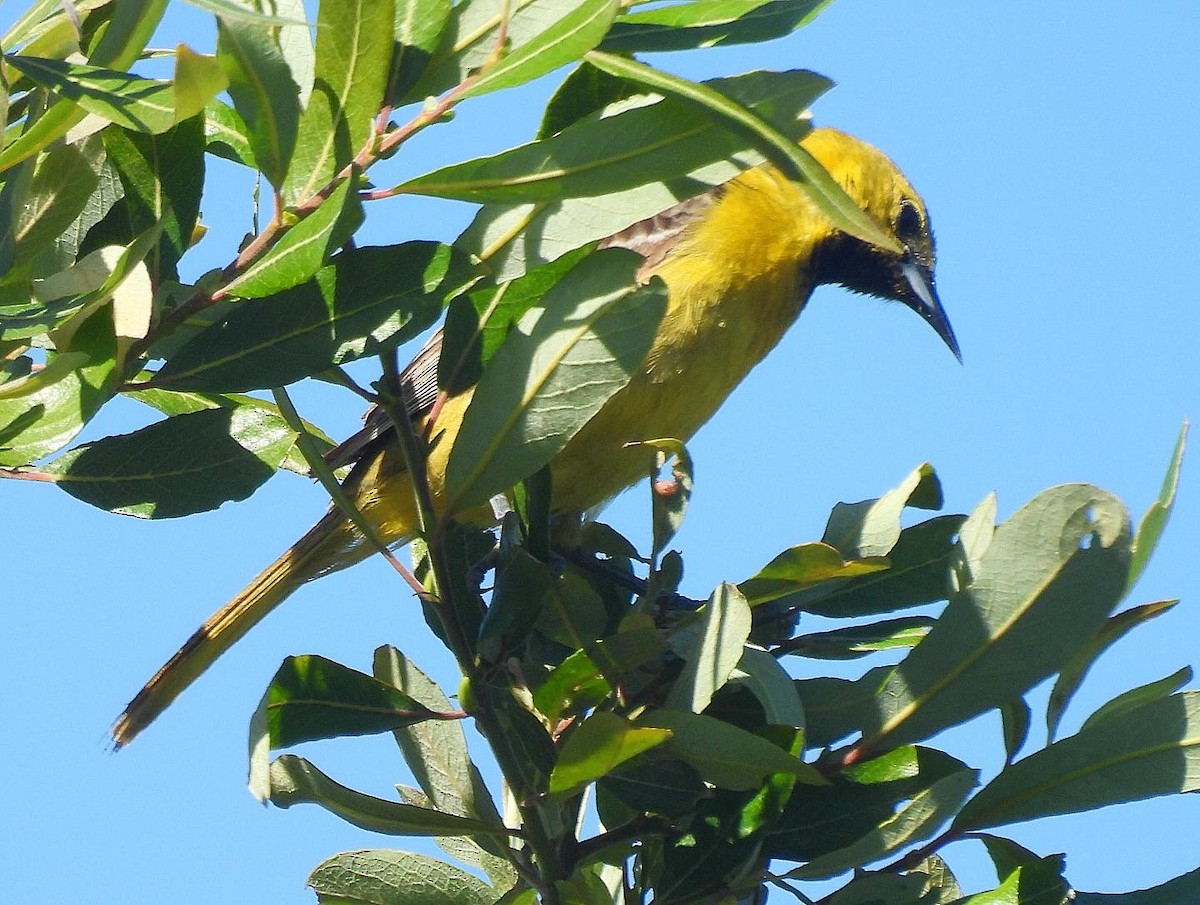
point(327, 546)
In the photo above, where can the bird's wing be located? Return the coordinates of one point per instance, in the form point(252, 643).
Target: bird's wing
point(652, 238)
point(418, 390)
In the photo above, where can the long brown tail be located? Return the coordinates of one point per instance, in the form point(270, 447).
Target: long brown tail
point(327, 546)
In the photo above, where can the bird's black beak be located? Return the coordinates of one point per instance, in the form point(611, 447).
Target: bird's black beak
point(925, 302)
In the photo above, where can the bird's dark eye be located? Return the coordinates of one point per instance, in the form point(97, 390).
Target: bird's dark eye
point(908, 222)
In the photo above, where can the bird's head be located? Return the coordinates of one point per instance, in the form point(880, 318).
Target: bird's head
point(875, 183)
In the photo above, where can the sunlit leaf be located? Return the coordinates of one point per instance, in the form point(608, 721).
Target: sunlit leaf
point(557, 367)
point(296, 781)
point(1049, 578)
point(1141, 753)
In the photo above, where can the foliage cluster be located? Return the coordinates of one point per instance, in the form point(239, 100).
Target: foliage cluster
point(605, 696)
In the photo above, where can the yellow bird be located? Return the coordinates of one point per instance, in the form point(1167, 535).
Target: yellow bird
point(739, 262)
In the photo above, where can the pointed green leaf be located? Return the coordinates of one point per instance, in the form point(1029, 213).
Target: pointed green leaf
point(920, 572)
point(142, 105)
point(1071, 675)
point(769, 682)
point(162, 179)
point(1051, 575)
point(1185, 888)
point(41, 423)
point(559, 365)
point(1137, 697)
point(1141, 753)
point(872, 527)
point(295, 781)
point(803, 567)
point(631, 143)
point(563, 42)
point(365, 301)
point(353, 59)
point(791, 159)
point(436, 753)
point(682, 152)
point(419, 28)
point(1151, 526)
point(725, 755)
point(1015, 719)
point(264, 93)
point(170, 403)
point(916, 819)
point(710, 649)
point(304, 248)
point(311, 698)
point(863, 806)
point(860, 640)
point(226, 135)
point(834, 708)
point(63, 180)
point(597, 746)
point(668, 787)
point(709, 23)
point(187, 464)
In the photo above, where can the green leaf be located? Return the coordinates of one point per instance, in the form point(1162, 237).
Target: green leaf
point(586, 677)
point(63, 180)
point(162, 179)
point(597, 746)
point(1141, 753)
point(559, 365)
point(304, 248)
point(709, 23)
point(687, 152)
point(1015, 719)
point(1151, 526)
point(941, 887)
point(769, 682)
point(226, 135)
point(264, 93)
point(186, 464)
point(389, 877)
point(974, 537)
point(631, 143)
point(171, 403)
point(353, 59)
point(872, 527)
point(1185, 888)
point(802, 567)
point(295, 781)
point(859, 640)
point(562, 42)
point(1071, 675)
point(36, 425)
point(874, 888)
point(233, 10)
point(725, 755)
point(668, 787)
point(311, 698)
point(478, 321)
point(915, 820)
point(710, 649)
point(1047, 581)
point(834, 708)
point(791, 159)
point(920, 572)
point(418, 31)
point(436, 753)
point(142, 105)
point(1137, 697)
point(58, 367)
point(199, 78)
point(365, 301)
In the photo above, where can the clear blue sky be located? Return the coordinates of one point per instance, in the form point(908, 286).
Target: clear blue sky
point(1057, 153)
